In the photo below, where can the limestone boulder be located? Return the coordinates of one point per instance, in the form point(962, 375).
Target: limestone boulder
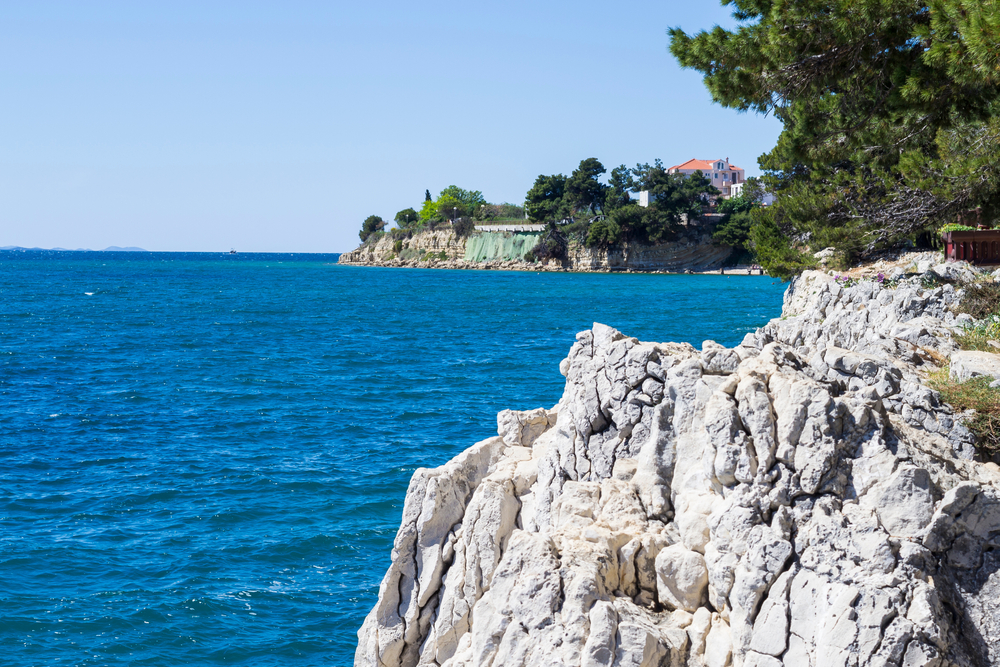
point(966, 365)
point(681, 578)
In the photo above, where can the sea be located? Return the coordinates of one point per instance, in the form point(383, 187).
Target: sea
point(203, 457)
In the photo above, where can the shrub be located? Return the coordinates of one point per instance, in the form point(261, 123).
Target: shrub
point(975, 394)
point(530, 257)
point(603, 233)
point(500, 212)
point(981, 300)
point(463, 227)
point(551, 245)
point(372, 238)
point(955, 227)
point(397, 247)
point(578, 228)
point(775, 252)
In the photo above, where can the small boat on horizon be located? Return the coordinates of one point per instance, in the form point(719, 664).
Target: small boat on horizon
point(232, 251)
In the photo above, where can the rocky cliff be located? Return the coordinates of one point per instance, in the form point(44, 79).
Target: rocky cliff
point(506, 250)
point(802, 499)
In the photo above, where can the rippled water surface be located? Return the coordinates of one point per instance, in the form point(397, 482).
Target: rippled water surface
point(203, 457)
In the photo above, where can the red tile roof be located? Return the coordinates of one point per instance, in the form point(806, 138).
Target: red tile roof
point(704, 165)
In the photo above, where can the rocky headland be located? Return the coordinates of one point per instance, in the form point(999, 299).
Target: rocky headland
point(442, 249)
point(803, 499)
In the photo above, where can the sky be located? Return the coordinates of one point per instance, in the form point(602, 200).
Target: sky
point(280, 126)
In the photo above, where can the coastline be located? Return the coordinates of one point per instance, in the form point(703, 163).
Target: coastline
point(715, 507)
point(507, 251)
point(548, 267)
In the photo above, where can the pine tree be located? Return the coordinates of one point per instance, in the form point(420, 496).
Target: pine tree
point(545, 200)
point(890, 114)
point(583, 191)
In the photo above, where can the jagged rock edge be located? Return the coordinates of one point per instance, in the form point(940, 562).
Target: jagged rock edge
point(709, 547)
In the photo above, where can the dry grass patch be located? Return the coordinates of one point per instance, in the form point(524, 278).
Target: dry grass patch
point(981, 300)
point(975, 394)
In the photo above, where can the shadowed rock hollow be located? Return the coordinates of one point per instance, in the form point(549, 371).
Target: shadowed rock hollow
point(801, 499)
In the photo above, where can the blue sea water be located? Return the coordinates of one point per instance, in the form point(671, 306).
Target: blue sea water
point(203, 457)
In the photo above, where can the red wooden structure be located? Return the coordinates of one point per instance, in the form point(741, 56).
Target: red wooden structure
point(978, 247)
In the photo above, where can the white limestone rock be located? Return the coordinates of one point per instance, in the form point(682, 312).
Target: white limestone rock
point(802, 499)
point(960, 271)
point(906, 502)
point(966, 365)
point(681, 578)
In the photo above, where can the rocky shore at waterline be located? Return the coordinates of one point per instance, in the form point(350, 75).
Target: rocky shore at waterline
point(801, 499)
point(505, 251)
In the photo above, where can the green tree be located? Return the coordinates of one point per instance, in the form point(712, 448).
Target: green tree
point(673, 198)
point(372, 224)
point(450, 208)
point(552, 244)
point(620, 184)
point(406, 218)
point(429, 212)
point(544, 200)
point(641, 172)
point(889, 111)
point(471, 199)
point(605, 233)
point(738, 212)
point(583, 192)
point(427, 196)
point(503, 211)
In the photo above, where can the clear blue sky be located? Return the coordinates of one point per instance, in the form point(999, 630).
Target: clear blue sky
point(279, 126)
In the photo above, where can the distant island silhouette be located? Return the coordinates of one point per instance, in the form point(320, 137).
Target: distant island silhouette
point(111, 248)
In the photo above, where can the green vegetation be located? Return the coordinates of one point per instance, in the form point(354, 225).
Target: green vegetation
point(372, 224)
point(955, 227)
point(620, 183)
point(607, 232)
point(975, 394)
point(738, 212)
point(500, 212)
point(577, 207)
point(463, 227)
point(406, 218)
point(604, 215)
point(545, 201)
point(450, 208)
point(551, 245)
point(583, 191)
point(890, 115)
point(978, 336)
point(470, 199)
point(981, 300)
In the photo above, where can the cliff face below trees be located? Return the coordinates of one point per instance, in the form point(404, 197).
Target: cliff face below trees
point(802, 499)
point(506, 250)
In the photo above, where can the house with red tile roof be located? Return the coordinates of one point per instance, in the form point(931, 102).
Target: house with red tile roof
point(722, 174)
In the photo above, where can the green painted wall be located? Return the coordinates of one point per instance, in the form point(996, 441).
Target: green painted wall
point(487, 246)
